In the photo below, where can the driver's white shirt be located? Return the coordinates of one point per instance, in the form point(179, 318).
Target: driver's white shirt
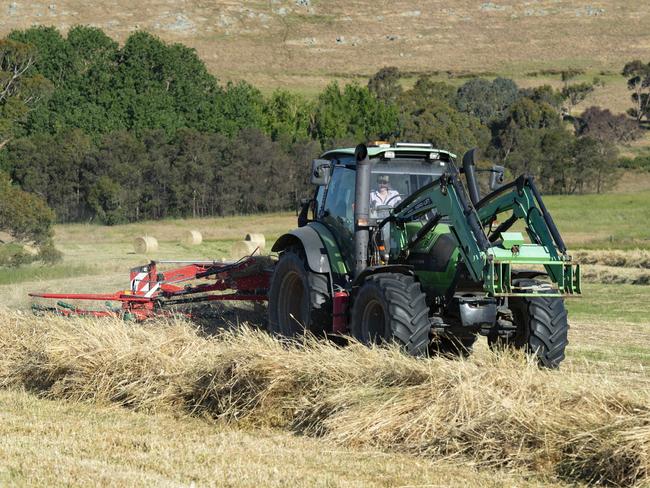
point(392, 198)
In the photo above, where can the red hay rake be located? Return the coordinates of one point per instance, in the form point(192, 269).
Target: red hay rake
point(152, 293)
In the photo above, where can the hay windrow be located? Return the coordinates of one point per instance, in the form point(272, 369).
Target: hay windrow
point(494, 410)
point(614, 266)
point(596, 273)
point(621, 259)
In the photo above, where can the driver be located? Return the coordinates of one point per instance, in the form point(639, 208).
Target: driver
point(383, 195)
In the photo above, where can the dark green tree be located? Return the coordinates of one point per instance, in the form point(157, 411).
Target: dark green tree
point(428, 113)
point(594, 166)
point(116, 162)
point(50, 166)
point(240, 106)
point(487, 100)
point(353, 113)
point(544, 94)
point(24, 216)
point(385, 84)
point(520, 142)
point(21, 88)
point(427, 91)
point(87, 99)
point(287, 117)
point(54, 57)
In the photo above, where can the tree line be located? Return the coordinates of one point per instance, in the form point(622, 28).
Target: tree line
point(112, 134)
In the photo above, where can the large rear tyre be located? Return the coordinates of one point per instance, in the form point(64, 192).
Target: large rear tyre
point(299, 299)
point(542, 327)
point(391, 307)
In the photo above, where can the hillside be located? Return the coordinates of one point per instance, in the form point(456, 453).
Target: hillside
point(304, 43)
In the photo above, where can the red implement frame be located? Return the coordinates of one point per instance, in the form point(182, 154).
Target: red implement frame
point(151, 293)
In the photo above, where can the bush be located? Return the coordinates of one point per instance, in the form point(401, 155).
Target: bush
point(639, 163)
point(24, 215)
point(13, 255)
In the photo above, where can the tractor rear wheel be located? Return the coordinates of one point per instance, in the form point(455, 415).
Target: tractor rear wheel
point(542, 327)
point(299, 299)
point(391, 307)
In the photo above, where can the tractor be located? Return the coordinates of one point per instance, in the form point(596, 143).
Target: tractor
point(395, 248)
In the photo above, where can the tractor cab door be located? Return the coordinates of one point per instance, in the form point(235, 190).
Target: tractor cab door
point(336, 208)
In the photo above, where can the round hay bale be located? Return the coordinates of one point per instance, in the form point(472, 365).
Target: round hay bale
point(245, 248)
point(256, 238)
point(192, 238)
point(145, 244)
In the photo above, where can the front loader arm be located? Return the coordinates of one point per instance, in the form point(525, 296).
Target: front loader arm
point(523, 199)
point(486, 261)
point(446, 197)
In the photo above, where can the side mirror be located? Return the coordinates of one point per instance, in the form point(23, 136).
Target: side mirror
point(496, 177)
point(320, 172)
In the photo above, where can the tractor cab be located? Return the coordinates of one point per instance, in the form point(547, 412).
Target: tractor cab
point(396, 171)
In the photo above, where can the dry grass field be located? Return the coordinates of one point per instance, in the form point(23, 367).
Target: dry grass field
point(101, 402)
point(495, 413)
point(45, 443)
point(304, 44)
point(86, 402)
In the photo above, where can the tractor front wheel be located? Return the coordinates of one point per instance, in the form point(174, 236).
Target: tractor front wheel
point(299, 299)
point(391, 307)
point(542, 327)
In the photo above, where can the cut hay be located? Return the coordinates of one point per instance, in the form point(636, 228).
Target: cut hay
point(192, 238)
point(245, 248)
point(626, 259)
point(615, 275)
point(145, 244)
point(493, 410)
point(258, 239)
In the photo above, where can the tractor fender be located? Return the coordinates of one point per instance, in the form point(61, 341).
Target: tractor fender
point(388, 268)
point(312, 244)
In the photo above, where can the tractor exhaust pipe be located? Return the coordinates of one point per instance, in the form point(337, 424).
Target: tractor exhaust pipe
point(361, 209)
point(469, 162)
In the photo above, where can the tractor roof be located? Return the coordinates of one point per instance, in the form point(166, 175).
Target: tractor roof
point(401, 148)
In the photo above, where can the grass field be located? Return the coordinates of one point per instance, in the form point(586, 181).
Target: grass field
point(85, 403)
point(62, 397)
point(607, 221)
point(612, 220)
point(65, 443)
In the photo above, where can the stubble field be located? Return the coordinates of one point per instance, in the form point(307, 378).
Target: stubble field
point(84, 401)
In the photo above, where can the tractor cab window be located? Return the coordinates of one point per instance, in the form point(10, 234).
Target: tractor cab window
point(339, 197)
point(338, 208)
point(392, 181)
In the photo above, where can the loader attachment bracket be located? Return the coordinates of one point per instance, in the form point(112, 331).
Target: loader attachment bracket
point(499, 280)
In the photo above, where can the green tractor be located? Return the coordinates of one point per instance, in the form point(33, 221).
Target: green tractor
point(393, 248)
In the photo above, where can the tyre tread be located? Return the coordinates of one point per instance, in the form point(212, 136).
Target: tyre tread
point(407, 308)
